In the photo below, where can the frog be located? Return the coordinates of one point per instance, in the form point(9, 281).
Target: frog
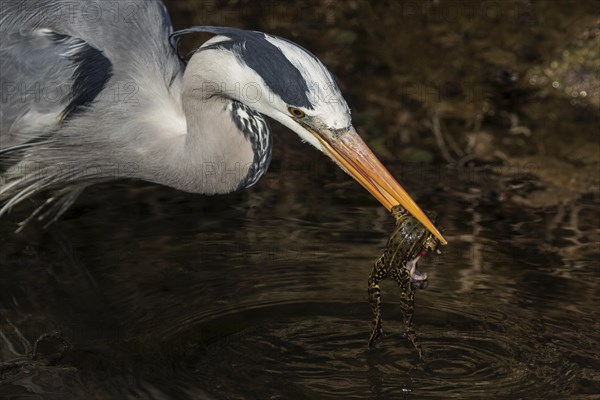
point(408, 243)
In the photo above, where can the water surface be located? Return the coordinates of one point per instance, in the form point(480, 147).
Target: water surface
point(169, 295)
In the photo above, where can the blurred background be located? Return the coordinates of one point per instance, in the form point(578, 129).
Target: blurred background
point(498, 76)
point(486, 111)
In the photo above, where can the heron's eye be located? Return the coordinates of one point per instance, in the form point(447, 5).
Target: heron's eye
point(296, 112)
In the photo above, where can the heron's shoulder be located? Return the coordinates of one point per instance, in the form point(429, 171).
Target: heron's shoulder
point(120, 27)
point(48, 77)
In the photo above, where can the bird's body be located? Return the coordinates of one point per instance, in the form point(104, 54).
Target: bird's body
point(131, 122)
point(96, 90)
point(54, 136)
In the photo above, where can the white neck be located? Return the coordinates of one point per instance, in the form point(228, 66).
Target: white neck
point(213, 156)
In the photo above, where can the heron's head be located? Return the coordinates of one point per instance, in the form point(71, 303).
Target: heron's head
point(286, 82)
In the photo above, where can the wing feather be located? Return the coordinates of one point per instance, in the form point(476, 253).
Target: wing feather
point(46, 77)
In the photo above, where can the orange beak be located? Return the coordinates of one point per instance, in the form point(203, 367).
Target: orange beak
point(351, 153)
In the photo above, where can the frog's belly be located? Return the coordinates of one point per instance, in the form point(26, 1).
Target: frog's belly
point(417, 278)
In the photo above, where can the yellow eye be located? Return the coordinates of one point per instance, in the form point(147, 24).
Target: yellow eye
point(296, 112)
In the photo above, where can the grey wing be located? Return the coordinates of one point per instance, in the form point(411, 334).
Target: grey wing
point(57, 56)
point(60, 61)
point(45, 78)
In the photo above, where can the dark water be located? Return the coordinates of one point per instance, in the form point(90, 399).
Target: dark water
point(167, 296)
point(262, 294)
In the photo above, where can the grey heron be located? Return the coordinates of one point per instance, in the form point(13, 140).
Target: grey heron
point(93, 90)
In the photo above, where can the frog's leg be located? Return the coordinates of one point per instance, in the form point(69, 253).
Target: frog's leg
point(378, 273)
point(407, 305)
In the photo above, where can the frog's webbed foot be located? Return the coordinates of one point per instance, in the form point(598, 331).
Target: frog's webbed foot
point(403, 278)
point(409, 331)
point(411, 335)
point(375, 300)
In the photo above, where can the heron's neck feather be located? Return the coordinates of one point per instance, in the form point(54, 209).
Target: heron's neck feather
point(213, 156)
point(214, 149)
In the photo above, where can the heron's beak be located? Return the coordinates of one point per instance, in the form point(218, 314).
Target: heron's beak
point(351, 153)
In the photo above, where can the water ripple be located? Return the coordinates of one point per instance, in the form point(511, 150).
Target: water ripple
point(325, 356)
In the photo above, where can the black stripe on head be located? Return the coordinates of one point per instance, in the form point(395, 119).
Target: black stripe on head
point(253, 49)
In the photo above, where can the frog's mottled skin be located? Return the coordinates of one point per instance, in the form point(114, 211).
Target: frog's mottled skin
point(399, 261)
